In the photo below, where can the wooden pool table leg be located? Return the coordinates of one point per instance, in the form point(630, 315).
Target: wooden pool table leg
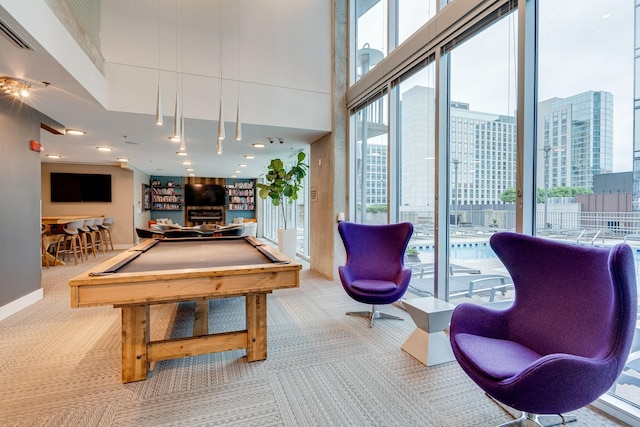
point(135, 337)
point(201, 321)
point(256, 305)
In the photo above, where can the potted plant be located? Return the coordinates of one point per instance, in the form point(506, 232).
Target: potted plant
point(281, 186)
point(411, 254)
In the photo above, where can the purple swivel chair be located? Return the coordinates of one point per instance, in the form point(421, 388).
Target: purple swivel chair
point(566, 337)
point(375, 273)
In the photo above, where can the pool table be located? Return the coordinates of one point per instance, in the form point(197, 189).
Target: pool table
point(159, 271)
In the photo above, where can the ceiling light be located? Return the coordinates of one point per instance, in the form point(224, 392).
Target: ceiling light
point(192, 174)
point(236, 171)
point(249, 156)
point(182, 153)
point(74, 132)
point(174, 138)
point(258, 145)
point(190, 169)
point(234, 176)
point(104, 148)
point(54, 156)
point(15, 87)
point(242, 165)
point(122, 159)
point(186, 162)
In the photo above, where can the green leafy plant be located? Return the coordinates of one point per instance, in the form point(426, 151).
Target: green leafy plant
point(283, 185)
point(412, 250)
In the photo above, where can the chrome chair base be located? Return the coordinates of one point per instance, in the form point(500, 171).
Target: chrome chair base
point(533, 420)
point(373, 314)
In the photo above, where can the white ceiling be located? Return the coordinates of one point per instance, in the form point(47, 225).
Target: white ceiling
point(284, 83)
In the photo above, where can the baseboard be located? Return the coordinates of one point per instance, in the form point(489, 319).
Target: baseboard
point(15, 306)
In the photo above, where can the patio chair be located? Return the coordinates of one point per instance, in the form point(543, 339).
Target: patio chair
point(567, 335)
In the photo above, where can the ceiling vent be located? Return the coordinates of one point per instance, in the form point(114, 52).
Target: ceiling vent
point(11, 35)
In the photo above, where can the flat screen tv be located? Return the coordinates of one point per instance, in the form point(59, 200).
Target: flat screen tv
point(204, 195)
point(80, 187)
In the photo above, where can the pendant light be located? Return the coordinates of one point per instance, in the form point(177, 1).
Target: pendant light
point(183, 138)
point(159, 118)
point(221, 134)
point(238, 123)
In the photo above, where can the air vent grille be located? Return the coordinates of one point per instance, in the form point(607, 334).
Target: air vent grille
point(11, 35)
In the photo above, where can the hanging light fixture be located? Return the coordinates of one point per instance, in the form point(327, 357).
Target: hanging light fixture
point(176, 119)
point(15, 87)
point(177, 131)
point(159, 118)
point(220, 114)
point(183, 138)
point(238, 123)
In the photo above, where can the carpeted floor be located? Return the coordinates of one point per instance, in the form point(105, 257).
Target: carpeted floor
point(61, 367)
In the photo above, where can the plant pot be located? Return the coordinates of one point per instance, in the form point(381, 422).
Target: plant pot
point(411, 258)
point(287, 241)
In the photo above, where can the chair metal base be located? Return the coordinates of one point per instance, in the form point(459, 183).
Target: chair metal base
point(533, 420)
point(373, 314)
point(527, 419)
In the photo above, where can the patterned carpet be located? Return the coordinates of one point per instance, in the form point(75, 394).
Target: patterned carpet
point(61, 367)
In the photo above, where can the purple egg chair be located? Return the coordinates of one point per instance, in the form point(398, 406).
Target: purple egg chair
point(375, 272)
point(566, 337)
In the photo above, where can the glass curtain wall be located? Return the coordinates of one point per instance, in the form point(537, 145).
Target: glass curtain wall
point(371, 36)
point(416, 146)
point(412, 14)
point(297, 215)
point(482, 159)
point(585, 133)
point(371, 162)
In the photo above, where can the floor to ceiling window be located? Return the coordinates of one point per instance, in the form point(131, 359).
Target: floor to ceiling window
point(297, 214)
point(371, 37)
point(585, 132)
point(371, 165)
point(482, 156)
point(456, 164)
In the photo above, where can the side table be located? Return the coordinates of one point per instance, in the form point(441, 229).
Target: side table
point(428, 342)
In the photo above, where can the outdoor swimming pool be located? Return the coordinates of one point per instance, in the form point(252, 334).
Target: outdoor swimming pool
point(464, 251)
point(482, 250)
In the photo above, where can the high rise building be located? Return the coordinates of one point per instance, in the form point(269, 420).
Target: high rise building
point(575, 139)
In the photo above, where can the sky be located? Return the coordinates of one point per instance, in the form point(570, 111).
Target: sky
point(584, 45)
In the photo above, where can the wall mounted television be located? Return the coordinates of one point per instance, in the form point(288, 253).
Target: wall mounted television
point(80, 187)
point(204, 195)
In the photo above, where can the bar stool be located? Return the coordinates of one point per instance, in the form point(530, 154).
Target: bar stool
point(45, 245)
point(70, 242)
point(105, 231)
point(86, 236)
point(96, 234)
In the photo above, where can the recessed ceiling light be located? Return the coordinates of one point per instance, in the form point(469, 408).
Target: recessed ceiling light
point(122, 159)
point(236, 171)
point(258, 145)
point(189, 169)
point(104, 148)
point(234, 176)
point(74, 132)
point(242, 165)
point(192, 174)
point(182, 153)
point(186, 162)
point(249, 156)
point(174, 138)
point(54, 156)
